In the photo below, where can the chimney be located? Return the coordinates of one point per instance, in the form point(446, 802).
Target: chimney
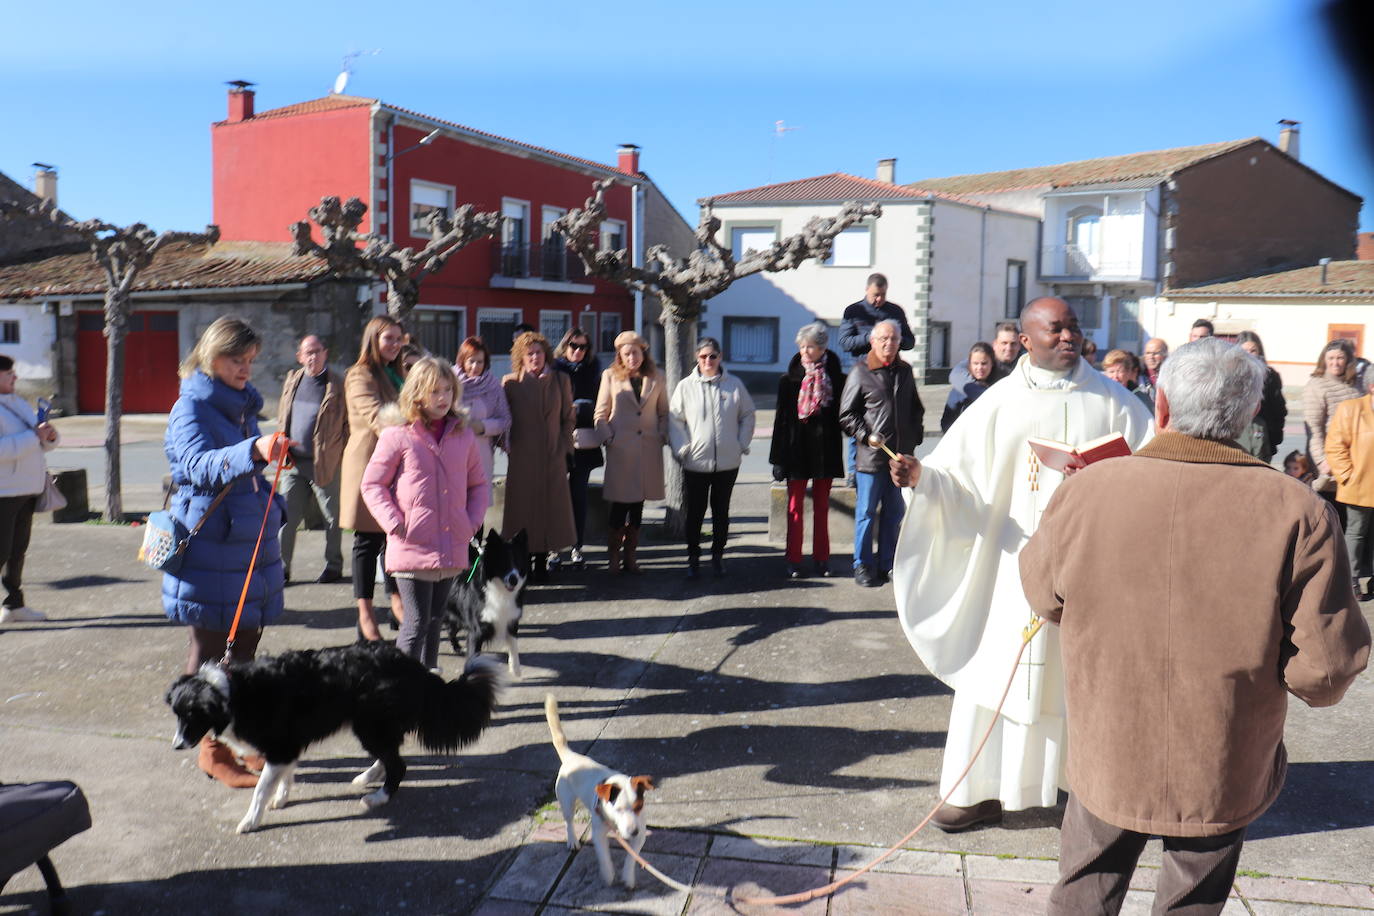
point(45, 184)
point(887, 170)
point(627, 159)
point(1288, 137)
point(1325, 263)
point(240, 101)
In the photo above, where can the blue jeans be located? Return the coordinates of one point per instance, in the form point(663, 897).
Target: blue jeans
point(877, 497)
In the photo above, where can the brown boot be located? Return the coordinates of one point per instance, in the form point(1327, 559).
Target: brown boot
point(217, 761)
point(614, 538)
point(631, 545)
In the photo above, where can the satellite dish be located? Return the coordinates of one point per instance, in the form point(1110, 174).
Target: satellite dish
point(340, 82)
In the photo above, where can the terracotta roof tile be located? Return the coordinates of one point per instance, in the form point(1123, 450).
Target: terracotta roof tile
point(1343, 279)
point(179, 266)
point(833, 187)
point(1157, 164)
point(325, 103)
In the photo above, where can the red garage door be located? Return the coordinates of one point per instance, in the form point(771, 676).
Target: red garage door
point(150, 362)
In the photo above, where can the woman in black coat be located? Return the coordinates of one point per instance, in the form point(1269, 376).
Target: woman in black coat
point(806, 442)
point(1266, 432)
point(574, 357)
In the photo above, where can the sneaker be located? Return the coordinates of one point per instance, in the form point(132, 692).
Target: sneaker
point(865, 577)
point(20, 615)
point(576, 558)
point(554, 561)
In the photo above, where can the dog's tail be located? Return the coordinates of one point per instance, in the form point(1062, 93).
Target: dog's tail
point(560, 740)
point(455, 713)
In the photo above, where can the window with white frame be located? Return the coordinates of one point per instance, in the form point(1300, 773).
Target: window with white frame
point(1016, 289)
point(751, 340)
point(425, 198)
point(610, 327)
point(612, 235)
point(1088, 309)
point(553, 325)
point(744, 239)
point(439, 330)
point(496, 327)
point(1084, 227)
point(852, 248)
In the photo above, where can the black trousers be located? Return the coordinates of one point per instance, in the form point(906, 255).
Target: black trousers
point(577, 489)
point(1096, 861)
point(714, 487)
point(368, 547)
point(622, 514)
point(16, 526)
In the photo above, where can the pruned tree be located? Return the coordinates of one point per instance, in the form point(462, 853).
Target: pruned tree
point(401, 268)
point(122, 253)
point(683, 284)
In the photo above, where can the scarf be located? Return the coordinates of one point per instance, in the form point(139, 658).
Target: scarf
point(815, 391)
point(483, 386)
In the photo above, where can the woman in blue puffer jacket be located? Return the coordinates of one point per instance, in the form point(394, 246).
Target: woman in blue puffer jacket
point(213, 442)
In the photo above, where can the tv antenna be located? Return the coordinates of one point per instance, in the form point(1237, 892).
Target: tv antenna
point(341, 81)
point(780, 130)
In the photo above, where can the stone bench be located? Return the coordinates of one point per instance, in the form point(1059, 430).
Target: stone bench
point(71, 483)
point(841, 517)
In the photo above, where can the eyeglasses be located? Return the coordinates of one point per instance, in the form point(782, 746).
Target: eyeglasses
point(575, 346)
point(708, 356)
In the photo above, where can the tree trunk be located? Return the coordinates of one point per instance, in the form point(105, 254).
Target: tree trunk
point(678, 340)
point(114, 410)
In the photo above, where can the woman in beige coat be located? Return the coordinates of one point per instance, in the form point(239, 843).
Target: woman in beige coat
point(632, 420)
point(539, 442)
point(372, 382)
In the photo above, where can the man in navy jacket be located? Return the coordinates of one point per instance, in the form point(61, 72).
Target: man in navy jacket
point(857, 325)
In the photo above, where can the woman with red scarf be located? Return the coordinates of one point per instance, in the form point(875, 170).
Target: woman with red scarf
point(806, 443)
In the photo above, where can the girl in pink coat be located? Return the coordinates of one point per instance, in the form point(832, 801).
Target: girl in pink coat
point(427, 488)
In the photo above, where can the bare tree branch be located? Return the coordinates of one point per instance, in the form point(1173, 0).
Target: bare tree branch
point(403, 269)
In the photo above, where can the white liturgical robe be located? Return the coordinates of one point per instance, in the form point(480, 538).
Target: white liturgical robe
point(958, 588)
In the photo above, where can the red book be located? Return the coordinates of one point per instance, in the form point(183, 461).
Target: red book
point(1060, 455)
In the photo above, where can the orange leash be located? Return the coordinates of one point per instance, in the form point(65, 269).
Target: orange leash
point(282, 464)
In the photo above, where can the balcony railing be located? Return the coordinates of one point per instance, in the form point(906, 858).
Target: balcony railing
point(549, 260)
point(1072, 261)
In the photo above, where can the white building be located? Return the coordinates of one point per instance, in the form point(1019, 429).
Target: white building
point(957, 267)
point(1295, 312)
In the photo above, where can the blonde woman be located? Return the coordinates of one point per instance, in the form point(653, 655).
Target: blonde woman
point(540, 440)
point(632, 420)
point(372, 382)
point(426, 486)
point(213, 446)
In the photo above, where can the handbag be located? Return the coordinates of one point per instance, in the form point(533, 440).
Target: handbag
point(51, 499)
point(165, 538)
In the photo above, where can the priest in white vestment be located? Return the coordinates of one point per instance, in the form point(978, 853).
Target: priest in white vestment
point(973, 504)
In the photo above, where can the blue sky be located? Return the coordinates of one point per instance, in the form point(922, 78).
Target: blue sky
point(122, 103)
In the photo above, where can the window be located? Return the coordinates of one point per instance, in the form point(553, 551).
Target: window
point(853, 248)
point(9, 332)
point(496, 327)
point(610, 327)
point(1088, 309)
point(439, 330)
point(1016, 289)
point(612, 235)
point(555, 252)
point(756, 238)
point(1128, 331)
point(515, 237)
point(1084, 229)
point(939, 345)
point(426, 198)
point(751, 340)
point(554, 325)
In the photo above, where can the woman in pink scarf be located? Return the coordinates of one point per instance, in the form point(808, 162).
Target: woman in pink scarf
point(806, 443)
point(488, 412)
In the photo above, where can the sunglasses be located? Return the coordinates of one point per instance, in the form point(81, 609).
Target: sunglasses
point(708, 356)
point(577, 346)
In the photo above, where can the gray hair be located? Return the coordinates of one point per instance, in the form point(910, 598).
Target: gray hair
point(1213, 387)
point(896, 327)
point(817, 332)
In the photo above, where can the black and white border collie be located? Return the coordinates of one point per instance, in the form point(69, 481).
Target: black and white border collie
point(489, 605)
point(281, 705)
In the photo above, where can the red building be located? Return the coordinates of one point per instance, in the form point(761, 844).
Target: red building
point(271, 167)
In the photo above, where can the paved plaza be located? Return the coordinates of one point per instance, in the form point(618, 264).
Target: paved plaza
point(791, 731)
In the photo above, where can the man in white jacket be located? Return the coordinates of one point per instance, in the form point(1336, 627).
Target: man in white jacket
point(23, 474)
point(710, 426)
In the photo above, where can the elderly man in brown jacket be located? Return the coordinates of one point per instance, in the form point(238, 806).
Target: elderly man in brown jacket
point(312, 412)
point(1180, 645)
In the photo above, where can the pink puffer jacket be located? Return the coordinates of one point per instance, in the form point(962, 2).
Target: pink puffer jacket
point(428, 496)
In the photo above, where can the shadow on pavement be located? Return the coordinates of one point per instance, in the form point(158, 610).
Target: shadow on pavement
point(1319, 798)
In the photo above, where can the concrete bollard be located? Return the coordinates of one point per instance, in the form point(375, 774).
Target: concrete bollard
point(71, 482)
point(596, 511)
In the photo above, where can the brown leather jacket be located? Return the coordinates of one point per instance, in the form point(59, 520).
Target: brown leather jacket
point(331, 425)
